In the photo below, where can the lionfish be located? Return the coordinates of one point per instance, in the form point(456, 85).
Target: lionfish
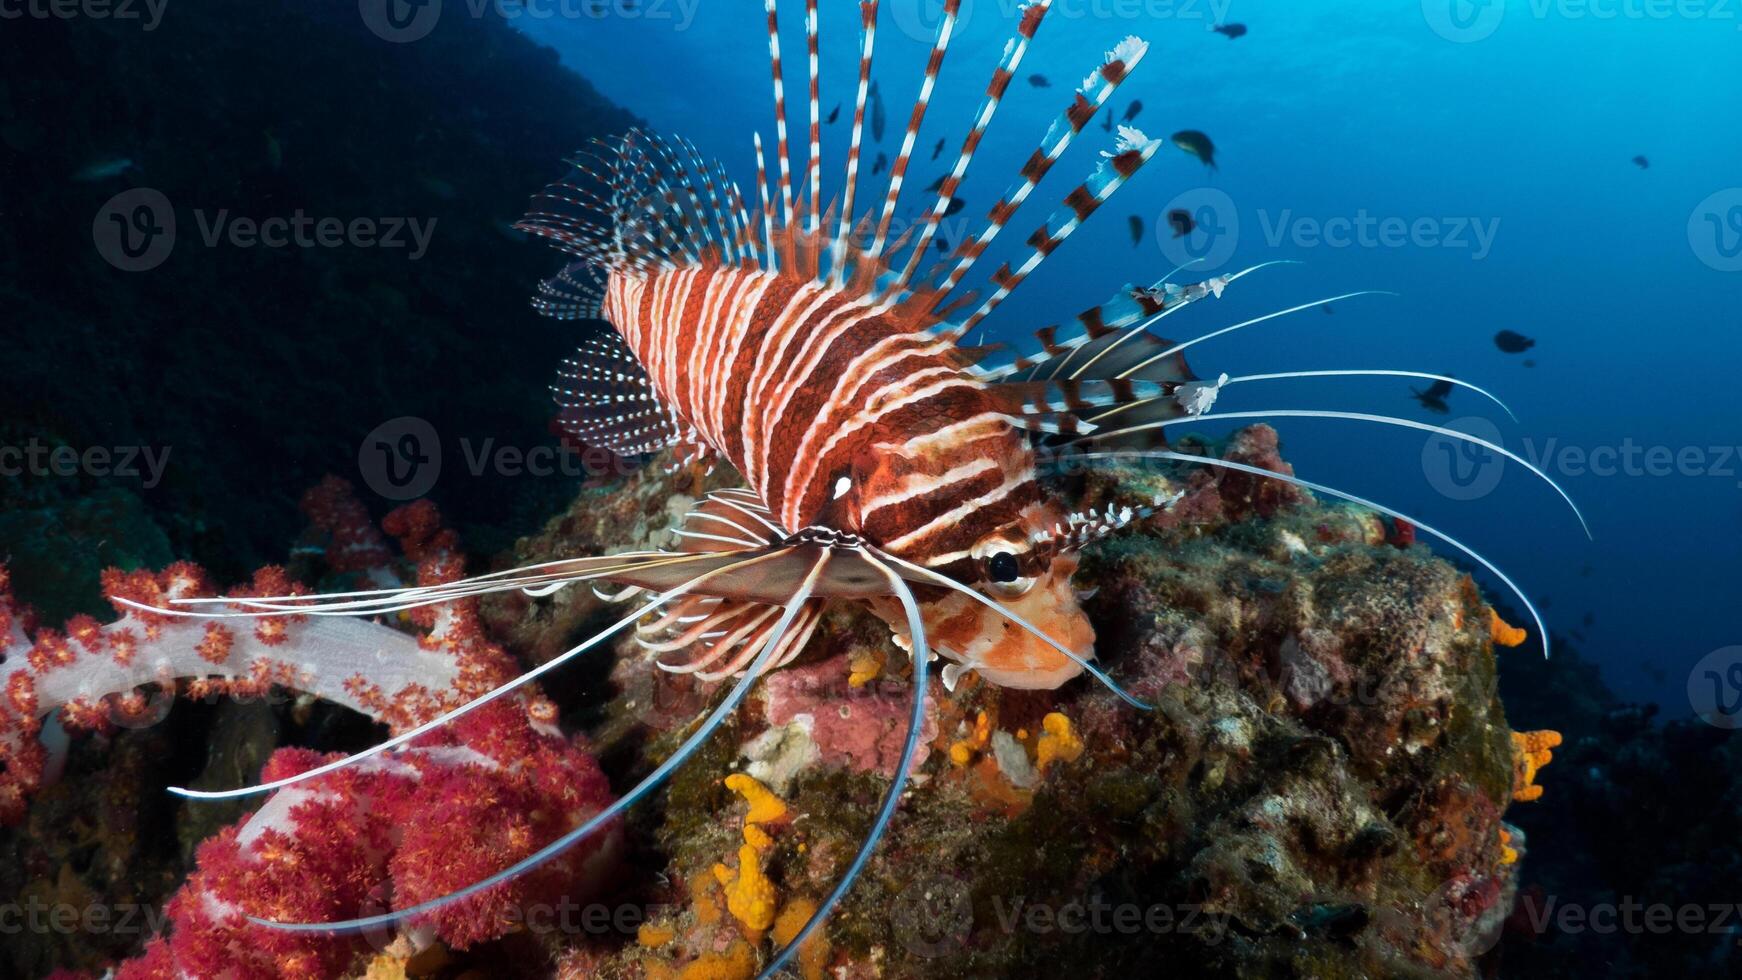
point(884, 461)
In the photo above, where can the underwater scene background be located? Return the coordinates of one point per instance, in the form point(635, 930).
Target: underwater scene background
point(263, 303)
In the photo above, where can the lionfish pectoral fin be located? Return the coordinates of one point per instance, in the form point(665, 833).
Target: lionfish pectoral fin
point(607, 400)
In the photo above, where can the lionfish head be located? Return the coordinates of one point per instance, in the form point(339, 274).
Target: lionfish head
point(1022, 566)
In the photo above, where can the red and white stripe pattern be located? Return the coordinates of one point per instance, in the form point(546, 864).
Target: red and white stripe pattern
point(844, 401)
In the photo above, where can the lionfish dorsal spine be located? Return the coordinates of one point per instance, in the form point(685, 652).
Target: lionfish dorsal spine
point(1094, 93)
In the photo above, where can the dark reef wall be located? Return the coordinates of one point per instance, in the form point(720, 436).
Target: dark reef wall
point(259, 369)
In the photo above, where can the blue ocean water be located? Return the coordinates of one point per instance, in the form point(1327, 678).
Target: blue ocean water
point(1474, 159)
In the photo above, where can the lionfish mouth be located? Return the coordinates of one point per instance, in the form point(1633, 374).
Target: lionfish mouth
point(996, 643)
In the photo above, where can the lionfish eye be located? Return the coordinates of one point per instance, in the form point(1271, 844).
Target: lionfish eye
point(1003, 568)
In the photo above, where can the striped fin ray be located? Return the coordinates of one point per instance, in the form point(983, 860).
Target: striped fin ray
point(1093, 94)
point(868, 42)
point(782, 150)
point(1133, 151)
point(1014, 49)
point(1067, 407)
point(814, 160)
point(898, 172)
point(607, 400)
point(1096, 348)
point(572, 294)
point(661, 208)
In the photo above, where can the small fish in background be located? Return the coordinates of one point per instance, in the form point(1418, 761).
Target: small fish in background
point(834, 114)
point(943, 245)
point(1590, 619)
point(1197, 144)
point(1529, 362)
point(105, 169)
point(955, 206)
point(1039, 81)
point(1230, 31)
point(274, 151)
point(877, 118)
point(880, 165)
point(938, 185)
point(1434, 398)
point(1326, 309)
point(1180, 220)
point(1641, 162)
point(938, 149)
point(1136, 229)
point(1132, 110)
point(1513, 342)
point(1107, 123)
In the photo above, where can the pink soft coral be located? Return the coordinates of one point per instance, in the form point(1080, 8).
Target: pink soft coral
point(384, 834)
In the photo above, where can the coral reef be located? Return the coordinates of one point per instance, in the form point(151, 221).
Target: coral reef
point(1319, 791)
point(491, 789)
point(456, 805)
